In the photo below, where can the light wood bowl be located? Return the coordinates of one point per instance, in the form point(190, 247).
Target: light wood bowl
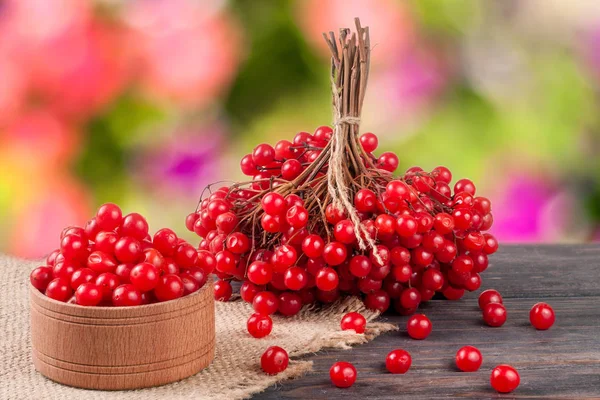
point(115, 348)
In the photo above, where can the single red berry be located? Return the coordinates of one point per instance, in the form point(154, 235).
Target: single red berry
point(333, 215)
point(263, 154)
point(385, 224)
point(462, 264)
point(265, 303)
point(410, 298)
point(398, 361)
point(365, 200)
point(144, 277)
point(186, 256)
point(101, 262)
point(344, 232)
point(327, 279)
point(468, 359)
point(462, 218)
point(542, 316)
point(259, 325)
point(388, 161)
point(128, 250)
point(419, 326)
point(274, 360)
point(464, 185)
point(494, 314)
point(377, 300)
point(442, 174)
point(313, 245)
point(123, 271)
point(91, 229)
point(334, 253)
point(284, 257)
point(284, 150)
point(109, 217)
point(295, 278)
point(51, 259)
point(452, 293)
point(290, 304)
point(342, 374)
point(323, 133)
point(473, 282)
point(271, 223)
point(59, 289)
point(154, 257)
point(74, 230)
point(302, 138)
point(369, 142)
point(105, 242)
point(491, 244)
point(206, 261)
point(198, 274)
point(169, 287)
point(82, 275)
point(433, 279)
point(273, 204)
point(248, 290)
point(260, 273)
point(248, 166)
point(222, 290)
point(360, 266)
point(297, 216)
point(443, 223)
point(504, 378)
point(165, 241)
point(482, 205)
point(190, 221)
point(406, 226)
point(88, 294)
point(354, 321)
point(41, 277)
point(126, 296)
point(107, 283)
point(489, 296)
point(134, 225)
point(74, 247)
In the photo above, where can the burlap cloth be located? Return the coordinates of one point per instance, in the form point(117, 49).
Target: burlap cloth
point(234, 374)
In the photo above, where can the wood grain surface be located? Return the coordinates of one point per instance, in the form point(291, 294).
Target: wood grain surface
point(561, 363)
point(115, 348)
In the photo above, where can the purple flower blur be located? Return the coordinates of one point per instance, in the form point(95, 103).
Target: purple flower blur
point(518, 207)
point(185, 163)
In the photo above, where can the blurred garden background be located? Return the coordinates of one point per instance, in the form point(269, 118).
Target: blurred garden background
point(144, 102)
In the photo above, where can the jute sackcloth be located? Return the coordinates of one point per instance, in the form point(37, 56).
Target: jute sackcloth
point(234, 374)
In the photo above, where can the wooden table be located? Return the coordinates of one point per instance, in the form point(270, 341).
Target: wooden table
point(563, 362)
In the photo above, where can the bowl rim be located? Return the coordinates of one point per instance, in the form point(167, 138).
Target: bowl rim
point(41, 299)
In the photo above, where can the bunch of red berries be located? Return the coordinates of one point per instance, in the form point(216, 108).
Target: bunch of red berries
point(113, 261)
point(281, 236)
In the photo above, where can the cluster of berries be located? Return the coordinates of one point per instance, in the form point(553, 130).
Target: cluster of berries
point(295, 248)
point(113, 261)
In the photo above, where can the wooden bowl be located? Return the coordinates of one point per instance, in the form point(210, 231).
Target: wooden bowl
point(115, 348)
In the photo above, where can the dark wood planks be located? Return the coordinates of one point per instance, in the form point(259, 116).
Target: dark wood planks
point(563, 362)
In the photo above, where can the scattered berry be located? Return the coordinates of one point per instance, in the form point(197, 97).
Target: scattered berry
point(354, 321)
point(259, 325)
point(494, 314)
point(419, 326)
point(342, 374)
point(398, 361)
point(468, 359)
point(541, 316)
point(504, 378)
point(489, 296)
point(274, 360)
